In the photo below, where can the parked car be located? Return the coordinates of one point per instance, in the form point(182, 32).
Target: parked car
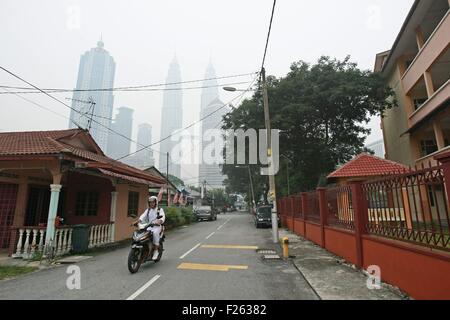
point(205, 212)
point(263, 217)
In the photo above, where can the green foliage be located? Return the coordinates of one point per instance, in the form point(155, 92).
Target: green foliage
point(13, 271)
point(220, 198)
point(321, 110)
point(176, 217)
point(176, 181)
point(187, 215)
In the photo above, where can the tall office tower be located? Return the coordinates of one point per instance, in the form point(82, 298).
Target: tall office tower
point(143, 159)
point(96, 71)
point(171, 118)
point(210, 102)
point(119, 146)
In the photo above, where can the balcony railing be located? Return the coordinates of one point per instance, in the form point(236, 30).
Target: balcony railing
point(430, 51)
point(29, 242)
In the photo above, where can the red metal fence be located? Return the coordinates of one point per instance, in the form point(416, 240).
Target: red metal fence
point(340, 207)
point(313, 211)
point(399, 223)
point(412, 206)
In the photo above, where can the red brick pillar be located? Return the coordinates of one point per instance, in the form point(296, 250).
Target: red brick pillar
point(304, 197)
point(323, 208)
point(445, 160)
point(360, 210)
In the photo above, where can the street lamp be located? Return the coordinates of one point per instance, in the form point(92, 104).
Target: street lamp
point(231, 89)
point(272, 190)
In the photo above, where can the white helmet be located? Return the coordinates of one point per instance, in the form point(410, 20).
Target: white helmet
point(153, 198)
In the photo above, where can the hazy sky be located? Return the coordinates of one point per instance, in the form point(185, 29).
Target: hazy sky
point(42, 42)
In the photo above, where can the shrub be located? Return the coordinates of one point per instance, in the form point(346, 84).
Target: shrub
point(188, 215)
point(176, 217)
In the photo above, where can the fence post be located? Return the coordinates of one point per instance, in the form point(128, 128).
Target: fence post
point(292, 213)
point(360, 213)
point(444, 159)
point(304, 210)
point(323, 208)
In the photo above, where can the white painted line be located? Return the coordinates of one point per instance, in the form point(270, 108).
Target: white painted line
point(145, 286)
point(210, 235)
point(220, 227)
point(184, 255)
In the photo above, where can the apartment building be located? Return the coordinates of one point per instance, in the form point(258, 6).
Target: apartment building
point(418, 69)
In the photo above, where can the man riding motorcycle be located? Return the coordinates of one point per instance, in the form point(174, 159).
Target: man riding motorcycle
point(156, 216)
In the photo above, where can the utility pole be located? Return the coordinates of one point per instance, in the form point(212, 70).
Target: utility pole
point(272, 190)
point(167, 178)
point(287, 170)
point(251, 187)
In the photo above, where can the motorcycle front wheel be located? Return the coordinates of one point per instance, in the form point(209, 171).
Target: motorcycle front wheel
point(161, 249)
point(134, 260)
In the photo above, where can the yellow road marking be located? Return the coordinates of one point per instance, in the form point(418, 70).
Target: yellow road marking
point(214, 246)
point(209, 267)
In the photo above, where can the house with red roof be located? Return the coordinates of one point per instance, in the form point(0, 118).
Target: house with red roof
point(362, 168)
point(365, 167)
point(53, 180)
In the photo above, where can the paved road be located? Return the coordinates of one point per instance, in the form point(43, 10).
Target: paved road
point(227, 243)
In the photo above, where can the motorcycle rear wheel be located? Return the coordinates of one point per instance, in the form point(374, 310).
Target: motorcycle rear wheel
point(134, 260)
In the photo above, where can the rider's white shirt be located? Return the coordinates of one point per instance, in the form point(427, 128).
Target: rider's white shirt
point(151, 215)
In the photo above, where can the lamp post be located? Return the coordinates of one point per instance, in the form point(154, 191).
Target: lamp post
point(272, 189)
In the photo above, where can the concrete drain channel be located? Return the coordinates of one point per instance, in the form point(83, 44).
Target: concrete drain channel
point(269, 254)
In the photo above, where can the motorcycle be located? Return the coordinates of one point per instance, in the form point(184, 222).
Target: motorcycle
point(142, 248)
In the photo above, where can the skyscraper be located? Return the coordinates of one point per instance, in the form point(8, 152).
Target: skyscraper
point(96, 71)
point(210, 102)
point(143, 159)
point(119, 146)
point(171, 117)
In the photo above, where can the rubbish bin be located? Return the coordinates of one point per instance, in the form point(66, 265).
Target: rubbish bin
point(80, 238)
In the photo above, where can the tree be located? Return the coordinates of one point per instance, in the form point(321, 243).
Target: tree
point(176, 181)
point(321, 110)
point(220, 197)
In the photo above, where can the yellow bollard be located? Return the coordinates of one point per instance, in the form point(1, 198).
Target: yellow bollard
point(285, 247)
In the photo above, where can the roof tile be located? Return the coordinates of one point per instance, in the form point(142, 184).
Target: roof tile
point(365, 165)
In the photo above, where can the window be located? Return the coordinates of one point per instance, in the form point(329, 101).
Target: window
point(428, 147)
point(86, 203)
point(419, 102)
point(133, 204)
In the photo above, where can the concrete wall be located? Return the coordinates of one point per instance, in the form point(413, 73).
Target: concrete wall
point(313, 233)
point(395, 123)
point(420, 272)
point(123, 228)
point(299, 227)
point(341, 243)
point(76, 183)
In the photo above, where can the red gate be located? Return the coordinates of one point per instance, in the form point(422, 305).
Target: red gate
point(8, 197)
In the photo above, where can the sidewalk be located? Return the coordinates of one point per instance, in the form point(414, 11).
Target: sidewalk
point(331, 276)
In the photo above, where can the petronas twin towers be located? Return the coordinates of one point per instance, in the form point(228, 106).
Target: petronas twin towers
point(172, 121)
